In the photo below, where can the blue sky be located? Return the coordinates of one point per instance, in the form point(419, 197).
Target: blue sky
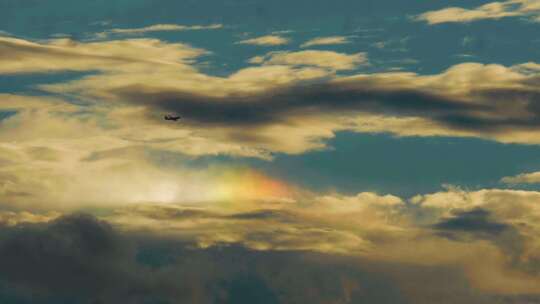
point(340, 130)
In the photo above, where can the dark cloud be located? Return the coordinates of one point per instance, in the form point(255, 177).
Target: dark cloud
point(168, 213)
point(6, 114)
point(481, 224)
point(264, 215)
point(79, 259)
point(75, 256)
point(485, 110)
point(274, 106)
point(476, 221)
point(250, 289)
point(177, 213)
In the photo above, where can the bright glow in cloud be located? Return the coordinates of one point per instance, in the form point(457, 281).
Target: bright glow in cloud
point(246, 184)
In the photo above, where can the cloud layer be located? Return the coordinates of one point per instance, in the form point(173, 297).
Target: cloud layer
point(486, 241)
point(106, 122)
point(295, 100)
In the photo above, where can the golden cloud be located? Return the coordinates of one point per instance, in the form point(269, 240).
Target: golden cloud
point(493, 10)
point(158, 28)
point(267, 40)
point(502, 223)
point(22, 56)
point(524, 178)
point(322, 59)
point(11, 218)
point(330, 40)
point(139, 80)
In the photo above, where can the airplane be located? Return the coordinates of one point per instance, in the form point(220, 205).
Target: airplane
point(171, 117)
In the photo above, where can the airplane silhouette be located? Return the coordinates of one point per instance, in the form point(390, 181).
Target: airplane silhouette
point(171, 117)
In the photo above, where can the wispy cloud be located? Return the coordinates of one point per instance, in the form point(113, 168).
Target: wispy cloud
point(157, 28)
point(524, 178)
point(294, 101)
point(493, 10)
point(282, 94)
point(326, 41)
point(323, 59)
point(399, 44)
point(70, 55)
point(267, 40)
point(199, 211)
point(530, 68)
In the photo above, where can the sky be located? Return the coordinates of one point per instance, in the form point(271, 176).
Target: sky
point(327, 151)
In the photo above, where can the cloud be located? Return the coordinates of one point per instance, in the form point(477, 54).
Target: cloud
point(49, 258)
point(168, 231)
point(13, 218)
point(329, 224)
point(524, 178)
point(323, 59)
point(267, 40)
point(21, 56)
point(503, 224)
point(450, 101)
point(38, 161)
point(46, 259)
point(397, 45)
point(506, 218)
point(330, 40)
point(530, 68)
point(474, 221)
point(373, 230)
point(458, 199)
point(482, 224)
point(291, 102)
point(493, 10)
point(156, 28)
